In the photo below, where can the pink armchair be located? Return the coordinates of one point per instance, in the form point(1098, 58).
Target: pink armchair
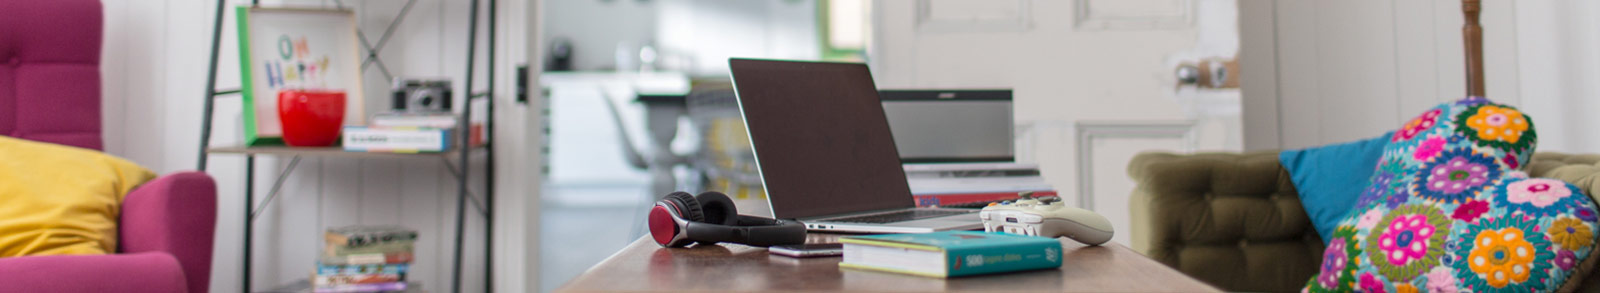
point(50, 92)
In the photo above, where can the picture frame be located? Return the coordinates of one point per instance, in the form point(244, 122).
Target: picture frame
point(296, 49)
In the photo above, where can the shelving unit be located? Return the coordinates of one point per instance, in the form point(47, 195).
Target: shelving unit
point(459, 169)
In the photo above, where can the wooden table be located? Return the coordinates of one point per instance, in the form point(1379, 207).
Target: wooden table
point(645, 266)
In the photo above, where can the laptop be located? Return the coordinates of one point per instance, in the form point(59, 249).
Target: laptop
point(825, 152)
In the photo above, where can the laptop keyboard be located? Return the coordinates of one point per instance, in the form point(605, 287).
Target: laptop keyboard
point(899, 216)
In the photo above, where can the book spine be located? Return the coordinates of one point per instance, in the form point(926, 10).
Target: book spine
point(377, 287)
point(444, 122)
point(337, 280)
point(385, 248)
point(398, 140)
point(392, 269)
point(1003, 258)
point(927, 189)
point(961, 198)
point(401, 257)
point(357, 239)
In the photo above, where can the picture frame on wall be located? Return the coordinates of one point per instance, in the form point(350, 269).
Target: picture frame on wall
point(295, 49)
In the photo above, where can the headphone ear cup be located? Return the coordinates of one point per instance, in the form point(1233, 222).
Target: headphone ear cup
point(718, 208)
point(689, 207)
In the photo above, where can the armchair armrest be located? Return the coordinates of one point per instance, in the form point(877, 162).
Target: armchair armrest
point(1231, 220)
point(174, 214)
point(139, 272)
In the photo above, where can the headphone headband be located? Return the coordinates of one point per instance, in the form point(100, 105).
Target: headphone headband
point(753, 231)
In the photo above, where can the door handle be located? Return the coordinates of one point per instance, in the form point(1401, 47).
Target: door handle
point(1214, 73)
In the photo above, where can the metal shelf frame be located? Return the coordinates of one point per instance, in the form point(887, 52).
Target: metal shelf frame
point(461, 170)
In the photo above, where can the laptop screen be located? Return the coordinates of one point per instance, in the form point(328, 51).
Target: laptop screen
point(821, 140)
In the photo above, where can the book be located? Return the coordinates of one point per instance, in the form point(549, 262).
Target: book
point(366, 245)
point(946, 167)
point(376, 287)
point(336, 251)
point(374, 269)
point(333, 275)
point(391, 257)
point(956, 199)
point(304, 286)
point(969, 185)
point(356, 236)
point(395, 139)
point(443, 120)
point(435, 120)
point(950, 253)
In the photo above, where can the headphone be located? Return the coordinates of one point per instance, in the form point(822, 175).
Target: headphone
point(680, 219)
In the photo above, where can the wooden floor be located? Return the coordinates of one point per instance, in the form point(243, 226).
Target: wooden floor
point(583, 225)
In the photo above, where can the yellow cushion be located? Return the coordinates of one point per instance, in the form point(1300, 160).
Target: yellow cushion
point(57, 199)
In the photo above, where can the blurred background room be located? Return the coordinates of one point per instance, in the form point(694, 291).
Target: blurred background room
point(617, 76)
point(639, 102)
point(580, 114)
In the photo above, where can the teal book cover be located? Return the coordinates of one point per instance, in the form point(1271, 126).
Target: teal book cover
point(951, 253)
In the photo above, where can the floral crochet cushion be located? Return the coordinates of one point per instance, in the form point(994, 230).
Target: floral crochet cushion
point(1448, 211)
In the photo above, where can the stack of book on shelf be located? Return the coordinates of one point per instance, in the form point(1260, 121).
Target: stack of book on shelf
point(973, 184)
point(364, 259)
point(410, 132)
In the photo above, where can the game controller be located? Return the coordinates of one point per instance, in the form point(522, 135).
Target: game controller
point(1047, 217)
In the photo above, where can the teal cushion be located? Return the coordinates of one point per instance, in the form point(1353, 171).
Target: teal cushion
point(1331, 178)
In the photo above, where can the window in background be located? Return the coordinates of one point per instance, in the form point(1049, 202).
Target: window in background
point(846, 25)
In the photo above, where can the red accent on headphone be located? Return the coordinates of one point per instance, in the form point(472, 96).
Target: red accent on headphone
point(662, 227)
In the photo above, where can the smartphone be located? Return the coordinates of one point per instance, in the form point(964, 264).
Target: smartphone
point(808, 250)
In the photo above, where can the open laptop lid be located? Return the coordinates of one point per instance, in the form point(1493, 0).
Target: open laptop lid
point(820, 137)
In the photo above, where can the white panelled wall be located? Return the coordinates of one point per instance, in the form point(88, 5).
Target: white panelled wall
point(154, 70)
point(1320, 72)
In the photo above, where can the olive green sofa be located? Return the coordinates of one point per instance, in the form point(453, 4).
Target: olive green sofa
point(1235, 221)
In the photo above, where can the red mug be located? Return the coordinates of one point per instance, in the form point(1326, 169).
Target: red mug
point(311, 117)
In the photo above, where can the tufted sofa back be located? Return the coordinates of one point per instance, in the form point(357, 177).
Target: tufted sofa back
point(1235, 220)
point(1231, 220)
point(50, 71)
point(1581, 170)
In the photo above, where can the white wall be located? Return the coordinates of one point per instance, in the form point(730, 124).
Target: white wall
point(700, 35)
point(1557, 47)
point(154, 69)
point(695, 36)
point(1339, 71)
point(595, 28)
point(1111, 67)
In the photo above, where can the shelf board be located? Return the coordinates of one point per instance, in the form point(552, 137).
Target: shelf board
point(319, 152)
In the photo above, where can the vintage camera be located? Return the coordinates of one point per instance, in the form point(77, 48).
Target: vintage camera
point(422, 95)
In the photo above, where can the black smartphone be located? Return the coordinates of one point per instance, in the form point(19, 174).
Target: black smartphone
point(808, 250)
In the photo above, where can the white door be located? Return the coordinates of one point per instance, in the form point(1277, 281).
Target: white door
point(1093, 79)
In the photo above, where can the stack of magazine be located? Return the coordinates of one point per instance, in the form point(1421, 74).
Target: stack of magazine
point(973, 184)
point(365, 259)
point(409, 132)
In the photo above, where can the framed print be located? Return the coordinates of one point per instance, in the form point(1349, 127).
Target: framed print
point(291, 49)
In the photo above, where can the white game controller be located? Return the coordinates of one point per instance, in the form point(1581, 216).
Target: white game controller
point(1046, 217)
